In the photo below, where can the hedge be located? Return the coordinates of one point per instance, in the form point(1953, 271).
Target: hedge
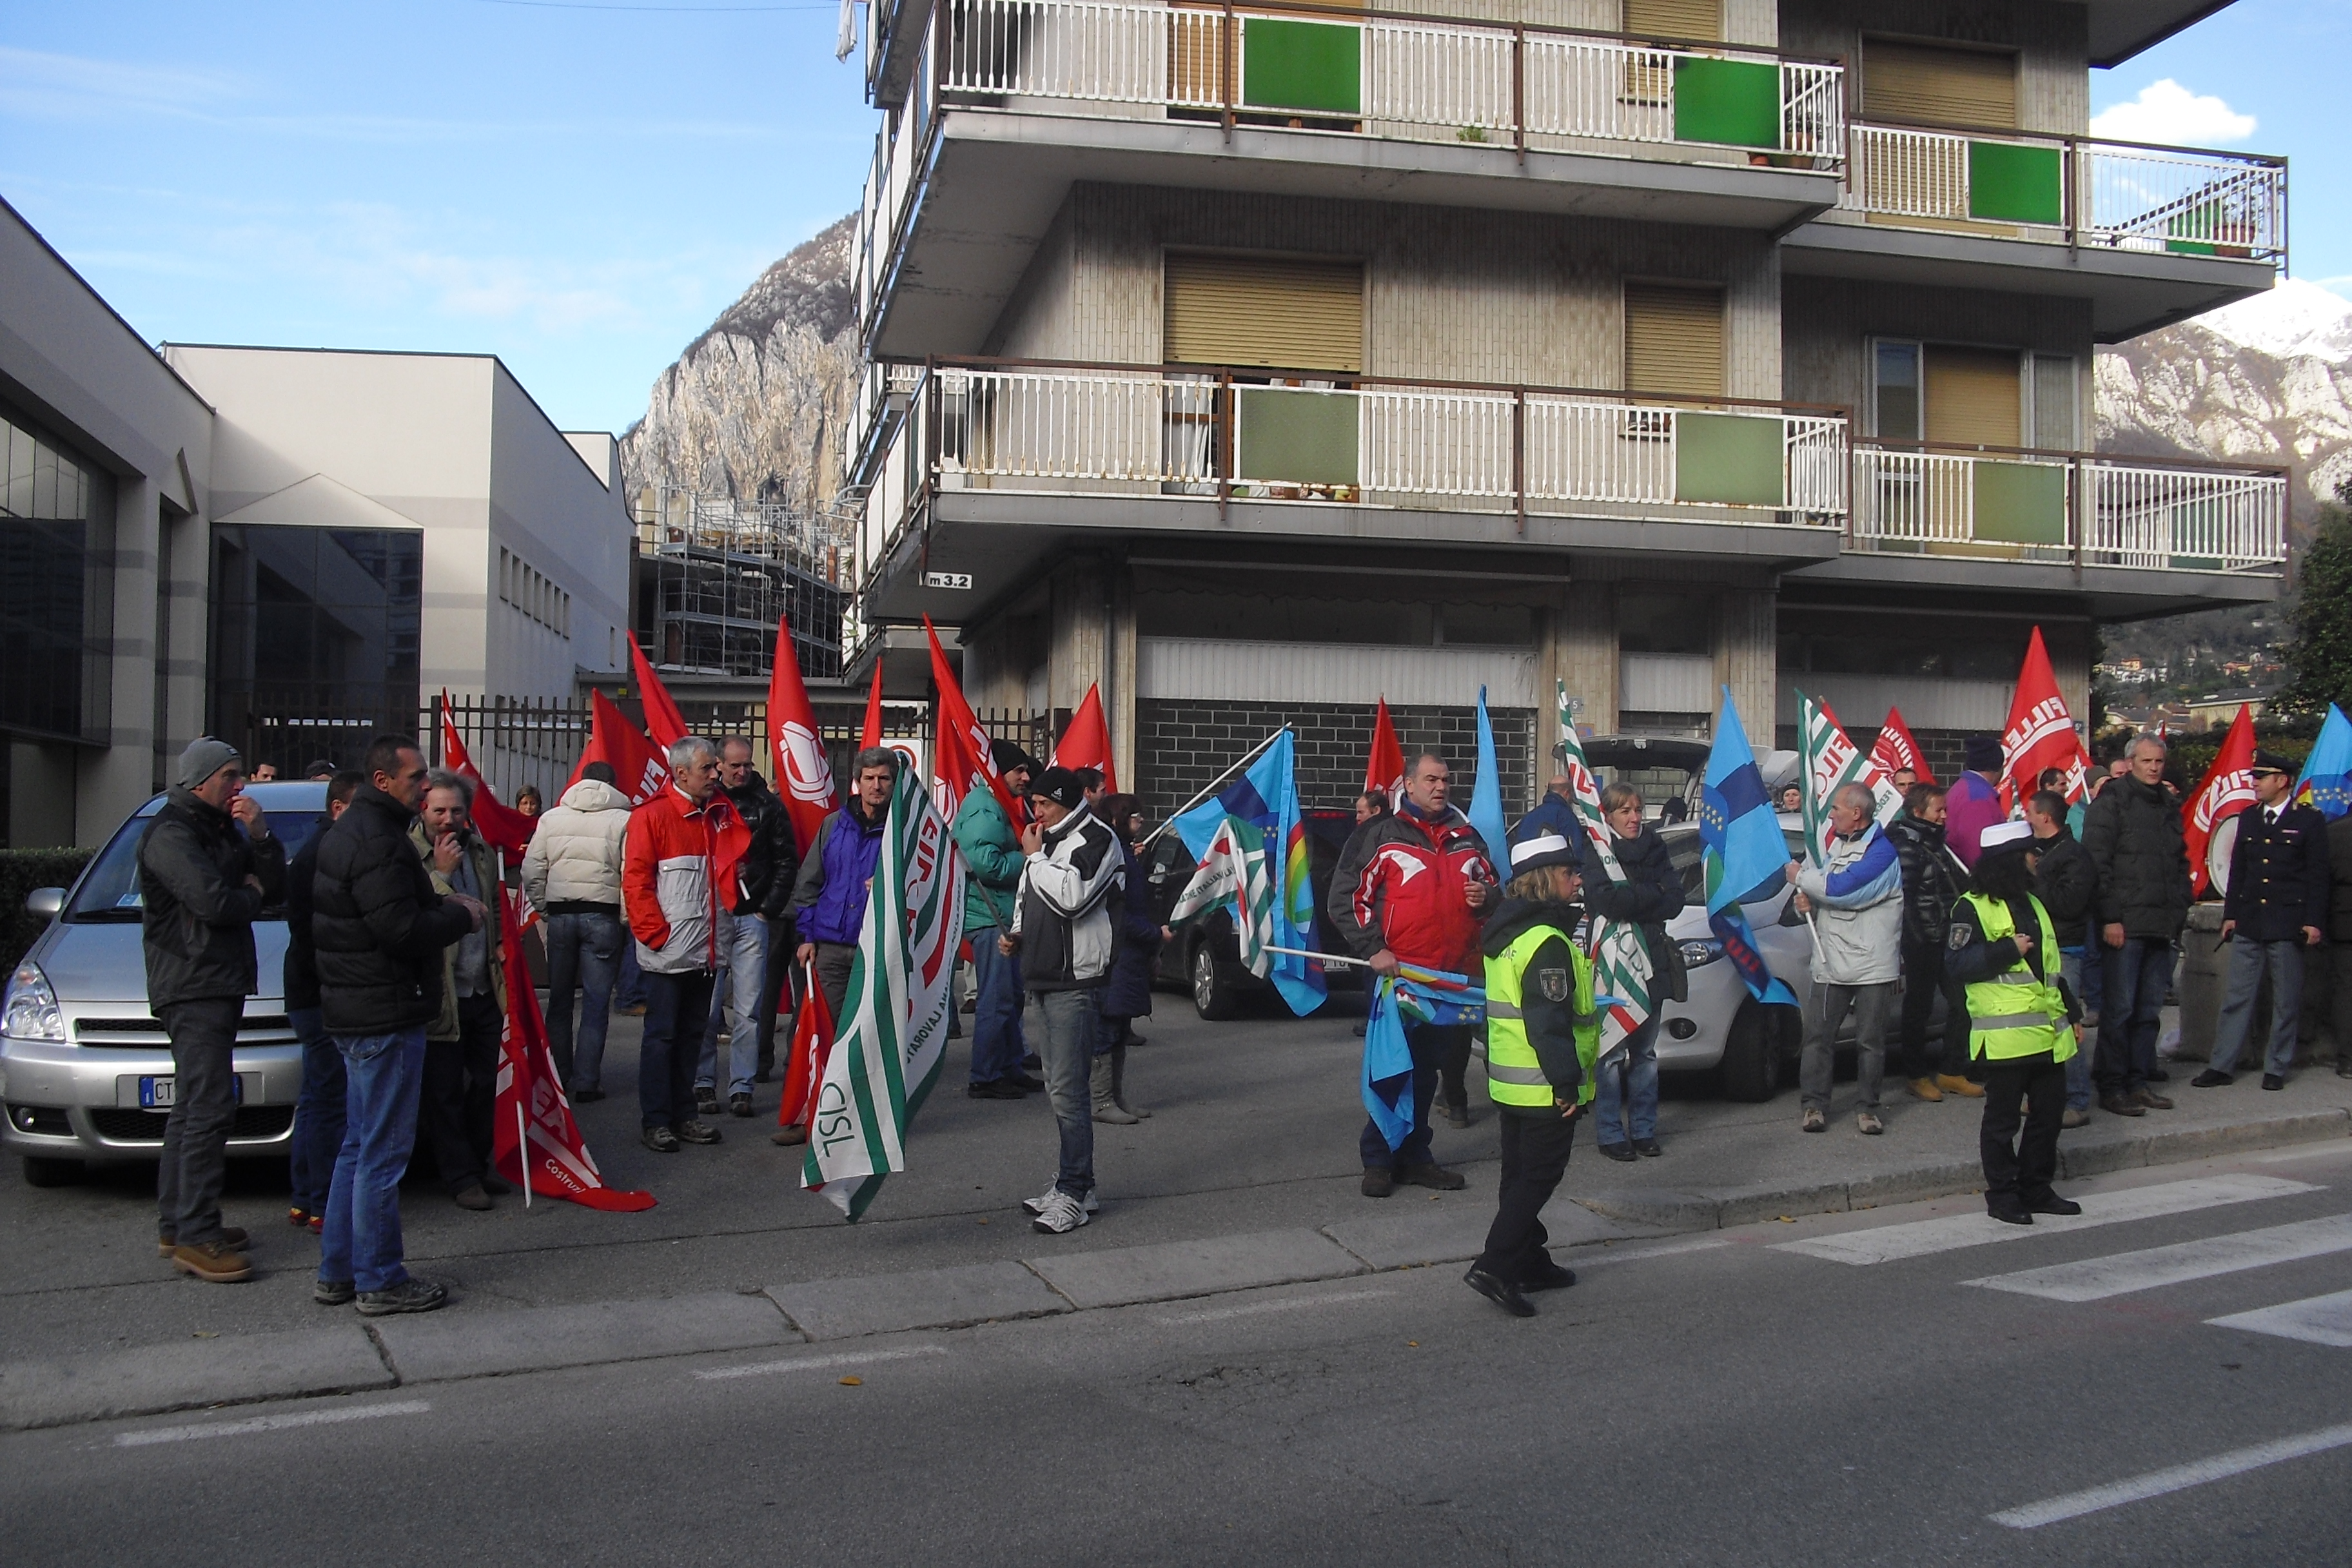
point(21, 871)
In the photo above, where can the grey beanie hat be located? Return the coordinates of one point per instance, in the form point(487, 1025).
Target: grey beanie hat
point(204, 757)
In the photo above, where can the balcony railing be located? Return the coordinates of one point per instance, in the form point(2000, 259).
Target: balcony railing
point(2067, 507)
point(2067, 190)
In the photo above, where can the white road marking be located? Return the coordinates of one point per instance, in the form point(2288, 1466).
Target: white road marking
point(2179, 1478)
point(267, 1423)
point(2097, 1279)
point(1919, 1238)
point(1290, 1304)
point(2316, 1320)
point(1635, 1254)
point(817, 1363)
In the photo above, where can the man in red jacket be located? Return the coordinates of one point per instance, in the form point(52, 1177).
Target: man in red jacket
point(677, 870)
point(1413, 888)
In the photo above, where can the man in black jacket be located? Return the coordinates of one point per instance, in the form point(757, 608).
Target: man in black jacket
point(378, 928)
point(2133, 834)
point(2068, 886)
point(741, 999)
point(318, 1109)
point(202, 881)
point(1929, 889)
point(2276, 906)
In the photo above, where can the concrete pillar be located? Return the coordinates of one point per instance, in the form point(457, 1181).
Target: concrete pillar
point(185, 567)
point(1080, 633)
point(1580, 650)
point(1747, 657)
point(1119, 695)
point(120, 779)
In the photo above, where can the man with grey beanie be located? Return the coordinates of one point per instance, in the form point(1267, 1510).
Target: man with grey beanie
point(207, 866)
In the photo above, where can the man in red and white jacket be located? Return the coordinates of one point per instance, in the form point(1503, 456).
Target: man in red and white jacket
point(678, 873)
point(1413, 888)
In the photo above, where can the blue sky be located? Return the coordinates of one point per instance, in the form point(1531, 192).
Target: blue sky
point(581, 187)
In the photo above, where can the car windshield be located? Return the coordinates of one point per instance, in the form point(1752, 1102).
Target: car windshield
point(109, 891)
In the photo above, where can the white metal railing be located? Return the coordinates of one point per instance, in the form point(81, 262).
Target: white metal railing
point(2216, 519)
point(2076, 191)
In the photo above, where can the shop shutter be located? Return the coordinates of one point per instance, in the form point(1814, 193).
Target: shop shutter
point(1973, 396)
point(1674, 340)
point(1675, 18)
point(1243, 310)
point(1920, 84)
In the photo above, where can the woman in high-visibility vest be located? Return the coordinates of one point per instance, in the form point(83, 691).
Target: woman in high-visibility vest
point(1541, 1036)
point(2021, 1024)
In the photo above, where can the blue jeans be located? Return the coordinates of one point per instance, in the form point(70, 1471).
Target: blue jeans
point(319, 1113)
point(1625, 1104)
point(2071, 968)
point(360, 1240)
point(997, 1044)
point(735, 997)
point(676, 1007)
point(584, 953)
point(1429, 1044)
point(629, 991)
point(1072, 1018)
point(2140, 973)
point(2248, 962)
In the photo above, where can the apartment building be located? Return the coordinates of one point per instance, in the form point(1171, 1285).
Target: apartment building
point(1258, 362)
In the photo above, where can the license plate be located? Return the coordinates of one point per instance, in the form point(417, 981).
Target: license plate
point(158, 1093)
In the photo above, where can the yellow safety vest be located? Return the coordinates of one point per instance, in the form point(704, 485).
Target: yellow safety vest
point(2014, 1015)
point(1515, 1073)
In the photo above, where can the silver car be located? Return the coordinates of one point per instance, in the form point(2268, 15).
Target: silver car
point(85, 1068)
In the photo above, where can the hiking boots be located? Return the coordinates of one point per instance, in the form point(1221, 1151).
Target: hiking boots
point(790, 1133)
point(1925, 1089)
point(1433, 1175)
point(1378, 1181)
point(661, 1140)
point(230, 1236)
point(697, 1133)
point(411, 1295)
point(705, 1101)
point(1953, 1083)
point(1457, 1113)
point(217, 1261)
point(739, 1105)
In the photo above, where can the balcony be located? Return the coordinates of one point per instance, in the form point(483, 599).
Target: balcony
point(988, 464)
point(1011, 100)
point(2149, 233)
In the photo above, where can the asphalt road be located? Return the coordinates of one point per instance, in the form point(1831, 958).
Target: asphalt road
point(1722, 1398)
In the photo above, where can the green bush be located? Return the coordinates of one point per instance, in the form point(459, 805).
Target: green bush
point(21, 871)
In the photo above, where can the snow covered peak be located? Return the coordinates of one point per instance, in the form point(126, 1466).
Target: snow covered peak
point(2291, 319)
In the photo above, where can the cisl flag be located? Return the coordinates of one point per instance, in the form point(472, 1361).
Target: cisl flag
point(1894, 749)
point(2228, 789)
point(795, 746)
point(639, 771)
point(1385, 769)
point(2039, 734)
point(501, 827)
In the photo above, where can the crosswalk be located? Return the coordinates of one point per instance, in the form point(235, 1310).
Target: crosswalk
point(1920, 1238)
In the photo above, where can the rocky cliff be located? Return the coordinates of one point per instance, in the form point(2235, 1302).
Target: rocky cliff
point(753, 409)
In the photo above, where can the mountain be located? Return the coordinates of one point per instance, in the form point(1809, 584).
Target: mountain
point(753, 409)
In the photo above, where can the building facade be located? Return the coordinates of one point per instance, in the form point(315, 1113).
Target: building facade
point(1277, 359)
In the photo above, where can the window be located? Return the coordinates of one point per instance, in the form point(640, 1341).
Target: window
point(1895, 393)
point(1673, 339)
point(1250, 310)
point(1962, 397)
point(1929, 84)
point(1701, 19)
point(2055, 405)
point(55, 590)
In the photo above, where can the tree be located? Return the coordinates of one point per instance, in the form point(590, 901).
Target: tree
point(2319, 649)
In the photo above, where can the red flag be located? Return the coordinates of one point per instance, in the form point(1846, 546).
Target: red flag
point(795, 746)
point(1087, 742)
point(870, 734)
point(664, 722)
point(964, 759)
point(2039, 734)
point(1384, 770)
point(1895, 748)
point(640, 769)
point(2227, 789)
point(811, 1044)
point(501, 827)
point(561, 1166)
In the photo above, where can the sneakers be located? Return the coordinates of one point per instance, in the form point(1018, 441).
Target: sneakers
point(1925, 1089)
point(2210, 1078)
point(1812, 1121)
point(1378, 1181)
point(411, 1295)
point(661, 1140)
point(706, 1101)
point(217, 1261)
point(1500, 1290)
point(298, 1216)
point(1433, 1175)
point(1060, 1214)
point(2150, 1099)
point(697, 1133)
point(739, 1105)
point(2121, 1105)
point(1953, 1083)
point(792, 1132)
point(1039, 1203)
point(231, 1236)
point(332, 1292)
point(2074, 1118)
point(1867, 1123)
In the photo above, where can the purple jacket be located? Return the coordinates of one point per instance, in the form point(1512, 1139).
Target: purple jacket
point(1971, 805)
point(830, 896)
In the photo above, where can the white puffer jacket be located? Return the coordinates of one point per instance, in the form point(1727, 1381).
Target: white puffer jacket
point(575, 853)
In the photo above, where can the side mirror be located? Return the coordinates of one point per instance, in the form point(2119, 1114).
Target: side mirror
point(45, 902)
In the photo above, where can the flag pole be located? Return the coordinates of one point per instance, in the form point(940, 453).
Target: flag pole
point(1248, 758)
point(1326, 957)
point(522, 1151)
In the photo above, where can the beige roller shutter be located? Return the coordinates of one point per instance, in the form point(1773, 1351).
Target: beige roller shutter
point(1675, 18)
point(1243, 310)
point(1973, 398)
point(1674, 340)
point(1921, 84)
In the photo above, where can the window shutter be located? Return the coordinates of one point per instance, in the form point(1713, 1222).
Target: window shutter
point(1244, 310)
point(1973, 396)
point(1674, 340)
point(1920, 84)
point(1674, 19)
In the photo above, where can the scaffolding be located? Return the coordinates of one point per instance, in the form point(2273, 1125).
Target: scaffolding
point(722, 571)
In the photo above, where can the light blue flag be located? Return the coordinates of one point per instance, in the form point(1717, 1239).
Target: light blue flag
point(1412, 995)
point(1487, 797)
point(1745, 854)
point(2327, 781)
point(1266, 796)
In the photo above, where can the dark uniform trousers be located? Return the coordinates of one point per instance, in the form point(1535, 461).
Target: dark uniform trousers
point(1535, 1157)
point(2019, 1172)
point(460, 1096)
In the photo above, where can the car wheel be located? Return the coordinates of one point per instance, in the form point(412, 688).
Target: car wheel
point(1751, 1056)
point(1213, 995)
point(41, 1171)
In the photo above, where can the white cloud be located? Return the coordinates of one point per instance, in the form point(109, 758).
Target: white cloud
point(2167, 112)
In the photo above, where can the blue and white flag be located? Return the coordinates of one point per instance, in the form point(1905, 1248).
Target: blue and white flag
point(1487, 797)
point(1745, 857)
point(1266, 796)
point(2327, 781)
point(1421, 997)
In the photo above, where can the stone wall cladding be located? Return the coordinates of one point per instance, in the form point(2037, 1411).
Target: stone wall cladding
point(1182, 744)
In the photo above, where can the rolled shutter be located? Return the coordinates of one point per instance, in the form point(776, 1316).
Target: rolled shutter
point(1921, 84)
point(1674, 340)
point(1974, 396)
point(1701, 19)
point(1243, 310)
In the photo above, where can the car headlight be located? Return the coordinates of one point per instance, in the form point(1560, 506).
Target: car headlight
point(1701, 950)
point(30, 1011)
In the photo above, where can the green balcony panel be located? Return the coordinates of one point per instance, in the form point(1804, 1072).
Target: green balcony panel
point(1296, 438)
point(1728, 459)
point(1735, 102)
point(2021, 503)
point(2196, 523)
point(1313, 66)
point(2008, 184)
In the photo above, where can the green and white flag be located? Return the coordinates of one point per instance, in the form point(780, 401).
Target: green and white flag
point(894, 1025)
point(1233, 867)
point(1620, 963)
point(1830, 762)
